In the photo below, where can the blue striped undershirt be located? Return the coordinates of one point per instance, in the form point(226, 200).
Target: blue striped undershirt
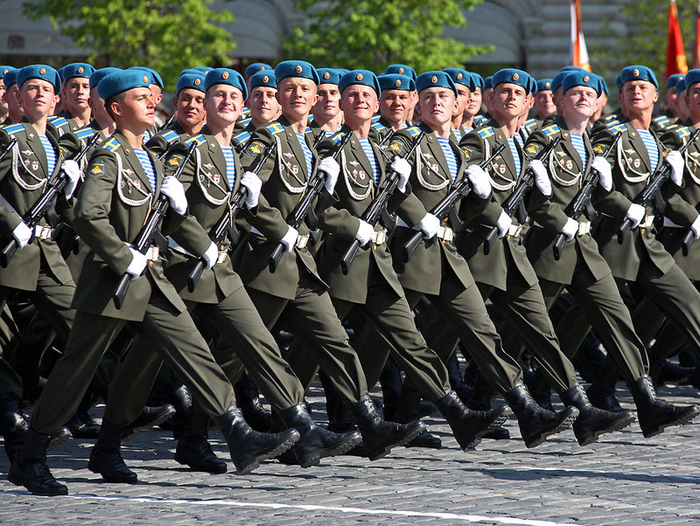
point(519, 138)
point(308, 157)
point(367, 148)
point(516, 155)
point(652, 148)
point(449, 156)
point(50, 154)
point(147, 167)
point(230, 165)
point(577, 141)
point(458, 134)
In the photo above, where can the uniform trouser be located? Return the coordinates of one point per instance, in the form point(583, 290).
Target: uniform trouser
point(10, 382)
point(312, 319)
point(391, 316)
point(171, 333)
point(249, 342)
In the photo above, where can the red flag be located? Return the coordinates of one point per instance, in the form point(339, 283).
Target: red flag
point(696, 45)
point(675, 54)
point(578, 55)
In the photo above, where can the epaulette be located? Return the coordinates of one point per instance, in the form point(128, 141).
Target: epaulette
point(376, 118)
point(245, 122)
point(682, 131)
point(85, 133)
point(551, 130)
point(199, 139)
point(309, 129)
point(274, 128)
point(58, 122)
point(485, 132)
point(378, 126)
point(310, 119)
point(611, 123)
point(241, 137)
point(662, 120)
point(530, 123)
point(170, 136)
point(14, 128)
point(479, 119)
point(245, 113)
point(112, 145)
point(614, 128)
point(336, 138)
point(610, 117)
point(414, 130)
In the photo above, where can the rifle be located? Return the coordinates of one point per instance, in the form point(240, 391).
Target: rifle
point(646, 196)
point(38, 209)
point(446, 208)
point(582, 199)
point(8, 147)
point(304, 207)
point(226, 226)
point(513, 202)
point(377, 208)
point(150, 230)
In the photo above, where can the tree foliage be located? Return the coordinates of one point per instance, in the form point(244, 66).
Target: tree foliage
point(166, 35)
point(367, 34)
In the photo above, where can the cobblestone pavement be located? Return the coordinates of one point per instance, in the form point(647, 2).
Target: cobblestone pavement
point(622, 479)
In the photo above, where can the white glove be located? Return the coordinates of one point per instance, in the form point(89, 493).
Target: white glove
point(331, 168)
point(402, 167)
point(211, 256)
point(22, 234)
point(503, 224)
point(290, 239)
point(695, 227)
point(364, 233)
point(635, 213)
point(569, 229)
point(481, 184)
point(253, 184)
point(429, 225)
point(175, 192)
point(542, 181)
point(602, 166)
point(72, 171)
point(138, 263)
point(676, 162)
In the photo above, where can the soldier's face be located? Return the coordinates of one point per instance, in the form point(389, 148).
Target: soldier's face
point(359, 103)
point(474, 103)
point(38, 98)
point(683, 110)
point(544, 103)
point(394, 105)
point(157, 93)
point(692, 100)
point(97, 104)
point(639, 95)
point(580, 101)
point(328, 104)
point(437, 105)
point(263, 104)
point(13, 100)
point(671, 99)
point(296, 97)
point(463, 94)
point(223, 103)
point(3, 98)
point(76, 93)
point(136, 111)
point(509, 100)
point(189, 107)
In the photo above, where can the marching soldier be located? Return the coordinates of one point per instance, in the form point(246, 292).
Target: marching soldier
point(544, 102)
point(4, 108)
point(75, 94)
point(403, 69)
point(465, 85)
point(326, 112)
point(394, 103)
point(15, 111)
point(471, 118)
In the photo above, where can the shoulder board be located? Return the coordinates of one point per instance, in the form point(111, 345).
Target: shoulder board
point(614, 128)
point(480, 119)
point(376, 118)
point(57, 121)
point(485, 132)
point(413, 130)
point(112, 145)
point(241, 137)
point(610, 117)
point(245, 113)
point(11, 130)
point(682, 131)
point(378, 126)
point(245, 122)
point(309, 129)
point(275, 128)
point(199, 139)
point(310, 119)
point(551, 130)
point(337, 137)
point(663, 120)
point(85, 133)
point(612, 123)
point(530, 122)
point(170, 136)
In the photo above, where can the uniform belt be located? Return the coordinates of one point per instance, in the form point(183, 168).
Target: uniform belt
point(379, 237)
point(302, 241)
point(514, 231)
point(43, 232)
point(174, 245)
point(584, 227)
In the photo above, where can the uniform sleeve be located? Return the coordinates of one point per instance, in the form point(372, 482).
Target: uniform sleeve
point(488, 210)
point(9, 219)
point(612, 203)
point(411, 209)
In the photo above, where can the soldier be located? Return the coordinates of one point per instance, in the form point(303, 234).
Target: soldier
point(403, 69)
point(256, 67)
point(544, 103)
point(109, 216)
point(471, 111)
point(15, 110)
point(4, 108)
point(465, 85)
point(394, 103)
point(671, 99)
point(263, 103)
point(326, 111)
point(75, 94)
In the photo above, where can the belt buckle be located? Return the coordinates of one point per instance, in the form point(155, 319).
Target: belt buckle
point(302, 241)
point(380, 237)
point(222, 256)
point(514, 231)
point(152, 255)
point(42, 232)
point(447, 234)
point(584, 227)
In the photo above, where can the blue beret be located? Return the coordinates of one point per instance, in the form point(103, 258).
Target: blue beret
point(638, 73)
point(265, 78)
point(255, 67)
point(203, 69)
point(360, 76)
point(10, 77)
point(226, 76)
point(191, 81)
point(296, 68)
point(329, 75)
point(461, 76)
point(39, 71)
point(192, 71)
point(99, 74)
point(618, 82)
point(691, 78)
point(531, 84)
point(512, 76)
point(77, 69)
point(681, 85)
point(402, 69)
point(488, 82)
point(435, 79)
point(4, 70)
point(581, 78)
point(120, 81)
point(152, 73)
point(673, 79)
point(394, 81)
point(544, 85)
point(342, 71)
point(477, 79)
point(603, 85)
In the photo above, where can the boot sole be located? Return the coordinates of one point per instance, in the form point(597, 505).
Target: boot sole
point(678, 422)
point(253, 463)
point(159, 419)
point(315, 458)
point(388, 447)
point(589, 438)
point(495, 424)
point(113, 480)
point(58, 440)
point(565, 424)
point(18, 482)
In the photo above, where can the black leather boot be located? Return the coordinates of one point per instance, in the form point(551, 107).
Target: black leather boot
point(601, 392)
point(181, 399)
point(106, 458)
point(536, 424)
point(29, 467)
point(480, 400)
point(392, 388)
point(249, 447)
point(13, 426)
point(378, 435)
point(316, 442)
point(656, 415)
point(248, 400)
point(593, 422)
point(81, 425)
point(409, 411)
point(663, 372)
point(149, 417)
point(469, 426)
point(193, 448)
point(540, 390)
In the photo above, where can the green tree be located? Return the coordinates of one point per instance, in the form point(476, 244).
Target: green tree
point(166, 35)
point(367, 34)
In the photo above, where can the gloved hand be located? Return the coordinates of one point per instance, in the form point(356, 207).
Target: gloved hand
point(503, 224)
point(72, 171)
point(676, 162)
point(635, 213)
point(364, 233)
point(602, 166)
point(253, 184)
point(211, 256)
point(402, 167)
point(175, 192)
point(290, 239)
point(331, 168)
point(481, 184)
point(22, 234)
point(542, 181)
point(695, 227)
point(138, 263)
point(429, 225)
point(569, 229)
